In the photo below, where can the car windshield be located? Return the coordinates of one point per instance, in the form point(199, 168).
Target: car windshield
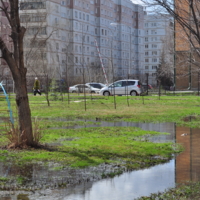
point(116, 84)
point(123, 83)
point(82, 86)
point(95, 85)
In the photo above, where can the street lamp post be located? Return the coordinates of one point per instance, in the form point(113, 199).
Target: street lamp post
point(129, 70)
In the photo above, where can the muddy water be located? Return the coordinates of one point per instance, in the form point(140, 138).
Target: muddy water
point(128, 186)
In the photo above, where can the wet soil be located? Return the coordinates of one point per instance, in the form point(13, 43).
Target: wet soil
point(37, 176)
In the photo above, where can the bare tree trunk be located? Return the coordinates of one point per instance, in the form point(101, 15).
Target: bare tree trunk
point(15, 61)
point(24, 113)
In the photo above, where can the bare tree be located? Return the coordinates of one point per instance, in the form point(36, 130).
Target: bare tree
point(165, 69)
point(15, 61)
point(165, 72)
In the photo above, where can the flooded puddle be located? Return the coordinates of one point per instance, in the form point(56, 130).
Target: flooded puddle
point(124, 187)
point(129, 185)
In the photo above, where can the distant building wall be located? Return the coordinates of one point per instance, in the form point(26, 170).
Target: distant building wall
point(157, 42)
point(4, 33)
point(187, 163)
point(185, 72)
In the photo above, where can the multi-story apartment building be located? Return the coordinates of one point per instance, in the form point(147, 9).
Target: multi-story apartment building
point(4, 34)
point(66, 34)
point(158, 45)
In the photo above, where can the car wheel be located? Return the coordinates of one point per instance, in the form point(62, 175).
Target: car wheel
point(106, 93)
point(93, 92)
point(133, 93)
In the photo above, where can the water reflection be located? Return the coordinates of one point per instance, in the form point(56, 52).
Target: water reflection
point(131, 185)
point(188, 162)
point(128, 186)
point(159, 127)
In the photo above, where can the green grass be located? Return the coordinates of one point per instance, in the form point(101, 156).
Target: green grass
point(168, 108)
point(188, 191)
point(93, 146)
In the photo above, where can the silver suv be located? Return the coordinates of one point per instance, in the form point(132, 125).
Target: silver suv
point(123, 87)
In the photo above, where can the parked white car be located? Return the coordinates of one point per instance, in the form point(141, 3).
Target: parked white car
point(122, 87)
point(81, 88)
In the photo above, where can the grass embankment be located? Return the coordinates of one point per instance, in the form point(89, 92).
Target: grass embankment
point(189, 191)
point(125, 146)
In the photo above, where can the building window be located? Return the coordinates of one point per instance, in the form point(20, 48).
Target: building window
point(146, 53)
point(56, 20)
point(146, 60)
point(146, 67)
point(63, 3)
point(36, 30)
point(154, 67)
point(153, 32)
point(76, 25)
point(76, 59)
point(76, 14)
point(32, 5)
point(146, 46)
point(32, 18)
point(57, 46)
point(154, 52)
point(83, 38)
point(57, 8)
point(154, 59)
